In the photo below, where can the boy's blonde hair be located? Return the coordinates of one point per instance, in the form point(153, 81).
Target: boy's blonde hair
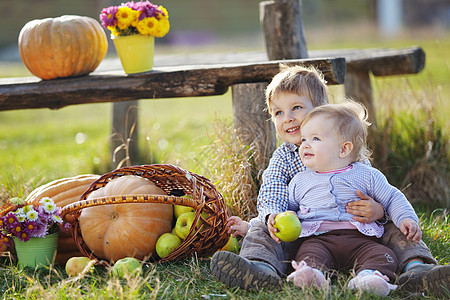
point(350, 121)
point(300, 80)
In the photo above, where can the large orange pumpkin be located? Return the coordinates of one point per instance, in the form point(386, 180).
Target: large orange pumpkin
point(115, 231)
point(63, 191)
point(62, 47)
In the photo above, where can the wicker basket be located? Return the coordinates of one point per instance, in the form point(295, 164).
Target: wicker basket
point(176, 182)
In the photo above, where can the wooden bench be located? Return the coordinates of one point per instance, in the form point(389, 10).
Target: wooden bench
point(162, 82)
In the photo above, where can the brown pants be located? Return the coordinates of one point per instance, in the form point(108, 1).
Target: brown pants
point(347, 249)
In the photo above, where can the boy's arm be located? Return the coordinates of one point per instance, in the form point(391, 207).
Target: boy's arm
point(273, 194)
point(366, 210)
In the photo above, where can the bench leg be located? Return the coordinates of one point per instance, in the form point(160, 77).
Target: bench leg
point(252, 122)
point(357, 87)
point(124, 147)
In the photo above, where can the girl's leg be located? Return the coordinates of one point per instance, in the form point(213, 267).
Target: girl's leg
point(373, 256)
point(315, 252)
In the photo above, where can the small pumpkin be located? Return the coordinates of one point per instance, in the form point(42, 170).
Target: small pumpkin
point(115, 231)
point(63, 191)
point(62, 47)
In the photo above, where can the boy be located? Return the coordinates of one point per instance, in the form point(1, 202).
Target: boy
point(263, 258)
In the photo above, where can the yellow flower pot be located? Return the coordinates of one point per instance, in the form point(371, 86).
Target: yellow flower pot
point(135, 52)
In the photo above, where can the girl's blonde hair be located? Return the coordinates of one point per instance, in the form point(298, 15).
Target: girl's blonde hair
point(350, 121)
point(300, 80)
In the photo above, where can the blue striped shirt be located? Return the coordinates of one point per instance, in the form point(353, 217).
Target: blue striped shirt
point(324, 196)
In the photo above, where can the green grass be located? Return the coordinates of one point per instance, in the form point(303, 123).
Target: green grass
point(43, 142)
point(185, 279)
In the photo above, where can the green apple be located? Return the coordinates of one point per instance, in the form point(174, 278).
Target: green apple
point(126, 266)
point(184, 223)
point(76, 265)
point(166, 243)
point(178, 210)
point(288, 225)
point(232, 245)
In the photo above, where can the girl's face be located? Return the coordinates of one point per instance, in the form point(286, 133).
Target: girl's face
point(321, 149)
point(288, 112)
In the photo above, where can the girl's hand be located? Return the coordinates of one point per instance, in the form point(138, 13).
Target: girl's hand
point(237, 226)
point(365, 210)
point(272, 230)
point(411, 229)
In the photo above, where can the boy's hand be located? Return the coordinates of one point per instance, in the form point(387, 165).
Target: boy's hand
point(272, 230)
point(271, 222)
point(365, 210)
point(411, 229)
point(237, 225)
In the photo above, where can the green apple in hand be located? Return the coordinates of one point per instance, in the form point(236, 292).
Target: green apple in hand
point(184, 223)
point(166, 243)
point(178, 210)
point(288, 225)
point(126, 266)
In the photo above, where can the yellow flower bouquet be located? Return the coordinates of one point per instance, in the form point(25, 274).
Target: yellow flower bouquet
point(134, 26)
point(132, 18)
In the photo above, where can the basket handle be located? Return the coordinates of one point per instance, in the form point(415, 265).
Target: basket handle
point(76, 206)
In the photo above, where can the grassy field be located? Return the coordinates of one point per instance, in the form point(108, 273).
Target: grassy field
point(185, 279)
point(37, 146)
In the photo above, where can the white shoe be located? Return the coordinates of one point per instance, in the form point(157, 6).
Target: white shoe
point(305, 276)
point(372, 281)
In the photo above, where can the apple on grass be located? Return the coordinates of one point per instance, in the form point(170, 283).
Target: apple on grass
point(77, 265)
point(167, 243)
point(184, 223)
point(126, 266)
point(232, 245)
point(288, 225)
point(178, 210)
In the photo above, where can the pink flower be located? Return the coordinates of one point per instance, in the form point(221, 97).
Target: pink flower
point(108, 16)
point(24, 237)
point(30, 227)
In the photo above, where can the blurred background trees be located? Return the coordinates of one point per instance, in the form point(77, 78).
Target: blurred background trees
point(206, 22)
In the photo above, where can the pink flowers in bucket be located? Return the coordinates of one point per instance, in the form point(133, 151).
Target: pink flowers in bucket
point(136, 18)
point(26, 221)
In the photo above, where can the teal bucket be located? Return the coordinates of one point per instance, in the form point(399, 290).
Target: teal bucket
point(37, 251)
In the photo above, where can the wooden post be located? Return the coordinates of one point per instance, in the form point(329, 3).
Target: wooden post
point(282, 24)
point(124, 146)
point(358, 87)
point(252, 121)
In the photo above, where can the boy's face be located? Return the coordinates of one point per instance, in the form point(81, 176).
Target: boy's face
point(288, 112)
point(321, 148)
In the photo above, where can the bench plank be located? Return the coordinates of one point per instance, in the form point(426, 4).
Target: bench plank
point(380, 61)
point(163, 82)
